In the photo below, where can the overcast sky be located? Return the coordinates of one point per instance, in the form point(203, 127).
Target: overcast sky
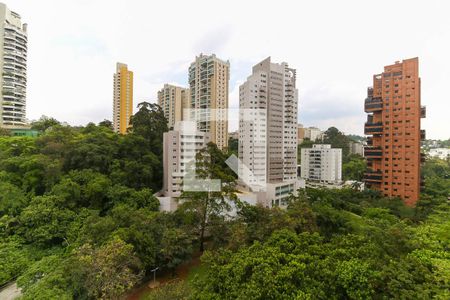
point(336, 47)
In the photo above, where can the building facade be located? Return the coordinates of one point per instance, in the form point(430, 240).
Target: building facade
point(209, 84)
point(180, 148)
point(268, 104)
point(300, 134)
point(313, 134)
point(175, 102)
point(356, 148)
point(442, 153)
point(322, 164)
point(123, 98)
point(394, 112)
point(308, 133)
point(13, 64)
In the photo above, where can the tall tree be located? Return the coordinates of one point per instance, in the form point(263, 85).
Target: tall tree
point(337, 139)
point(44, 123)
point(208, 208)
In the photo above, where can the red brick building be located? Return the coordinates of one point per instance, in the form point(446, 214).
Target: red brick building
point(393, 124)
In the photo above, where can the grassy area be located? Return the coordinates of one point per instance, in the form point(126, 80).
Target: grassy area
point(199, 270)
point(176, 288)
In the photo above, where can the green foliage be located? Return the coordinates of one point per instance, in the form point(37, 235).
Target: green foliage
point(44, 123)
point(205, 209)
point(364, 248)
point(354, 168)
point(110, 270)
point(233, 145)
point(177, 290)
point(13, 260)
point(106, 123)
point(12, 199)
point(4, 132)
point(78, 220)
point(45, 221)
point(45, 279)
point(337, 139)
point(176, 247)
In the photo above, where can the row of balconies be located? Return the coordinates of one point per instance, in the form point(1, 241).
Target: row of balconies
point(373, 152)
point(373, 104)
point(373, 128)
point(423, 111)
point(373, 176)
point(422, 134)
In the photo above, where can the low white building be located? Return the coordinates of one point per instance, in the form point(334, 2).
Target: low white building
point(322, 164)
point(442, 153)
point(180, 148)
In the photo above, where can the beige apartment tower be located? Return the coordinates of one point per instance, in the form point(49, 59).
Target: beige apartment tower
point(209, 84)
point(123, 98)
point(268, 104)
point(175, 102)
point(13, 65)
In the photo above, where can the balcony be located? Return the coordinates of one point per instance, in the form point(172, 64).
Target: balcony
point(422, 157)
point(373, 152)
point(423, 111)
point(373, 104)
point(422, 135)
point(373, 176)
point(373, 128)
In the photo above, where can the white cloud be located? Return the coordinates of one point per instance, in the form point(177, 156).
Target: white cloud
point(335, 46)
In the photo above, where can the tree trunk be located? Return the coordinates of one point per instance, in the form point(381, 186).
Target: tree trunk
point(202, 236)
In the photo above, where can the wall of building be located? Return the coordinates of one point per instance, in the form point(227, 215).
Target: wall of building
point(13, 64)
point(321, 163)
point(268, 103)
point(122, 98)
point(209, 87)
point(174, 100)
point(394, 126)
point(180, 147)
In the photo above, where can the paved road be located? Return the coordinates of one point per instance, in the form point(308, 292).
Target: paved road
point(10, 292)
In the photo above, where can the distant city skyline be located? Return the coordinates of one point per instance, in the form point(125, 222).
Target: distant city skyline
point(335, 50)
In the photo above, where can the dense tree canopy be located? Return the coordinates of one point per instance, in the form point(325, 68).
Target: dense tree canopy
point(77, 206)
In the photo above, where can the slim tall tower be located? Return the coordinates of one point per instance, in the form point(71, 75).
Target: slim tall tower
point(268, 103)
point(209, 83)
point(13, 65)
point(173, 101)
point(123, 98)
point(393, 126)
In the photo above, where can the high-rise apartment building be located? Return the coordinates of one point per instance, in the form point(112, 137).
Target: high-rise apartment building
point(13, 65)
point(175, 102)
point(322, 164)
point(209, 83)
point(268, 103)
point(123, 98)
point(180, 148)
point(393, 123)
